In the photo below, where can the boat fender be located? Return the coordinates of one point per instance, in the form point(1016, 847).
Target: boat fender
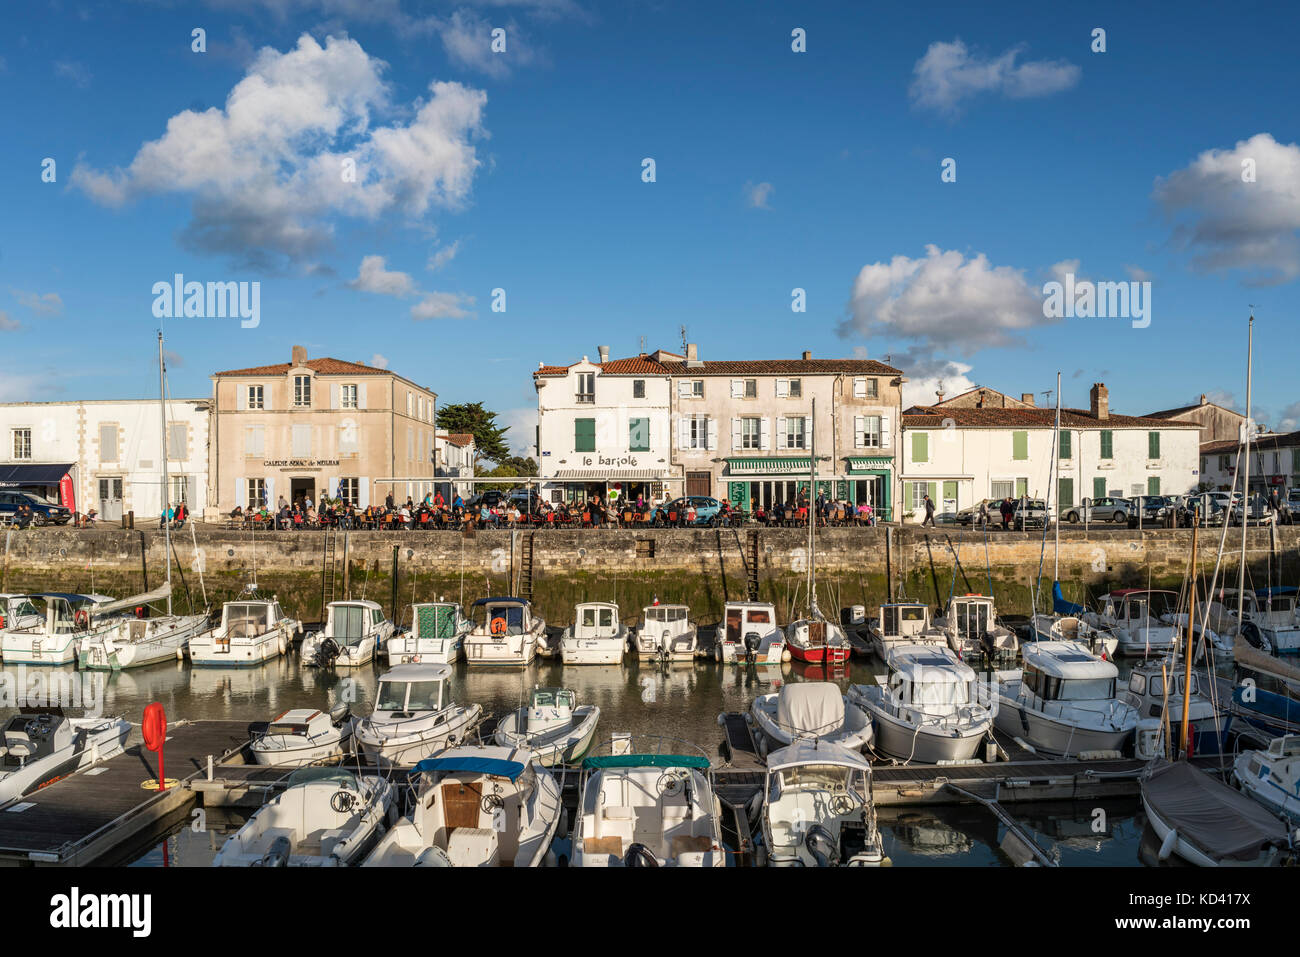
point(1026, 745)
point(1024, 720)
point(278, 855)
point(785, 655)
point(638, 855)
point(1168, 844)
point(180, 653)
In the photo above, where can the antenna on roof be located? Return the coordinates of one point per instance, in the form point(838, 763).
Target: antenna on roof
point(1047, 394)
point(683, 331)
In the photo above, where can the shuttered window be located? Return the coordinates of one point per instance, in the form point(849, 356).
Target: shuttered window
point(638, 435)
point(584, 435)
point(1153, 445)
point(1067, 450)
point(1065, 491)
point(920, 447)
point(1020, 446)
point(1107, 444)
point(1099, 487)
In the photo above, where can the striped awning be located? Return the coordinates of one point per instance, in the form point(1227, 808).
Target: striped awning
point(863, 462)
point(769, 465)
point(608, 475)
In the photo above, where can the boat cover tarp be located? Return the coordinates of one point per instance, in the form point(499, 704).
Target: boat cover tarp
point(1060, 605)
point(474, 765)
point(810, 707)
point(1217, 819)
point(645, 761)
point(436, 621)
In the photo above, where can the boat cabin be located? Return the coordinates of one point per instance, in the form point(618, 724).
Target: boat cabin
point(904, 619)
point(1139, 604)
point(17, 611)
point(1066, 671)
point(468, 802)
point(437, 619)
point(596, 619)
point(971, 616)
point(249, 619)
point(58, 613)
point(1147, 682)
point(930, 678)
point(550, 708)
point(32, 734)
point(351, 622)
point(302, 722)
point(502, 616)
point(408, 689)
point(674, 619)
point(745, 617)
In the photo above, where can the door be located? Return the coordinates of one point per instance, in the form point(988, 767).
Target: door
point(949, 497)
point(110, 499)
point(698, 483)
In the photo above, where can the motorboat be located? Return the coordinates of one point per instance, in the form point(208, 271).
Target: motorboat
point(647, 807)
point(1073, 628)
point(1272, 776)
point(437, 635)
point(809, 709)
point(555, 727)
point(1206, 822)
point(17, 611)
point(252, 630)
point(42, 745)
point(353, 631)
point(904, 623)
point(1144, 621)
point(302, 736)
point(138, 641)
point(927, 709)
point(59, 621)
point(413, 717)
point(667, 633)
point(475, 807)
point(505, 633)
point(1063, 702)
point(817, 808)
point(1155, 690)
point(1273, 611)
point(324, 817)
point(749, 634)
point(970, 624)
point(596, 637)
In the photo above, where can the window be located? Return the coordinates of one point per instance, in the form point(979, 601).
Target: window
point(796, 428)
point(873, 388)
point(866, 431)
point(638, 388)
point(256, 397)
point(919, 491)
point(690, 388)
point(751, 388)
point(302, 391)
point(1153, 484)
point(410, 405)
point(920, 446)
point(1019, 446)
point(638, 439)
point(22, 443)
point(1153, 445)
point(256, 493)
point(697, 432)
point(1002, 488)
point(796, 388)
point(254, 441)
point(584, 435)
point(1223, 462)
point(301, 441)
point(348, 396)
point(586, 387)
point(107, 443)
point(348, 491)
point(1107, 444)
point(1067, 450)
point(178, 441)
point(179, 489)
point(751, 432)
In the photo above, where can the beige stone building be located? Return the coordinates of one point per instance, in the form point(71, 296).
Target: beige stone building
point(319, 426)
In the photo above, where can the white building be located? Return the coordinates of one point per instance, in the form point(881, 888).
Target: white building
point(961, 454)
point(454, 459)
point(1274, 463)
point(111, 450)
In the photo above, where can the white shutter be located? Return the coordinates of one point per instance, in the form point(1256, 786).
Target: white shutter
point(860, 387)
point(241, 397)
point(735, 435)
point(267, 391)
point(782, 388)
point(713, 434)
point(684, 388)
point(737, 388)
point(361, 396)
point(334, 395)
point(271, 500)
point(363, 492)
point(807, 431)
point(859, 426)
point(764, 434)
point(241, 491)
point(683, 432)
point(334, 488)
point(886, 437)
point(780, 431)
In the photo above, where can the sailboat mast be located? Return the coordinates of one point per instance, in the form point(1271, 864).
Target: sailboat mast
point(1056, 453)
point(1187, 656)
point(812, 512)
point(1245, 474)
point(166, 490)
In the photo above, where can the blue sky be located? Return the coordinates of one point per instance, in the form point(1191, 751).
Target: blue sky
point(775, 170)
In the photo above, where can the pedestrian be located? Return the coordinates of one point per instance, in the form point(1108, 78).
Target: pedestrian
point(984, 513)
point(929, 512)
point(388, 501)
point(1007, 509)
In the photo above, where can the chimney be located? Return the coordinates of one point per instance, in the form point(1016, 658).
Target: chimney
point(1099, 396)
point(1203, 399)
point(693, 356)
point(299, 356)
point(604, 353)
point(1027, 398)
point(807, 356)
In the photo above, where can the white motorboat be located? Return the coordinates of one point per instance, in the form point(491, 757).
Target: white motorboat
point(1144, 621)
point(817, 808)
point(475, 807)
point(1273, 611)
point(596, 637)
point(1148, 695)
point(437, 635)
point(134, 642)
point(667, 633)
point(647, 807)
point(1206, 822)
point(41, 745)
point(1073, 628)
point(413, 717)
point(903, 623)
point(17, 611)
point(505, 633)
point(59, 622)
point(252, 630)
point(302, 736)
point(556, 728)
point(927, 709)
point(809, 709)
point(749, 634)
point(1272, 777)
point(325, 817)
point(970, 624)
point(353, 631)
point(1064, 701)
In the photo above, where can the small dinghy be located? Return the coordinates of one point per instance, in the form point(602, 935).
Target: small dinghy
point(475, 807)
point(325, 817)
point(437, 635)
point(42, 745)
point(305, 736)
point(1272, 777)
point(413, 717)
point(557, 729)
point(596, 637)
point(1208, 823)
point(810, 709)
point(667, 633)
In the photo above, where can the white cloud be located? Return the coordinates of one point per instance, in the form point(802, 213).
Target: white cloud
point(174, 360)
point(757, 195)
point(73, 71)
point(47, 304)
point(443, 256)
point(1234, 225)
point(946, 302)
point(373, 277)
point(522, 437)
point(267, 172)
point(379, 361)
point(8, 324)
point(1289, 421)
point(467, 40)
point(949, 73)
point(443, 305)
point(1137, 273)
point(927, 376)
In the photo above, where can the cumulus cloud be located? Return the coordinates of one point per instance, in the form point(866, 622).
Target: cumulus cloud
point(174, 360)
point(443, 305)
point(1231, 224)
point(945, 301)
point(467, 39)
point(269, 170)
point(522, 434)
point(443, 256)
point(757, 195)
point(373, 277)
point(1289, 420)
point(47, 304)
point(949, 73)
point(379, 361)
point(8, 324)
point(927, 376)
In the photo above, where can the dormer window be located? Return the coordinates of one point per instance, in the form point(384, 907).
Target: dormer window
point(302, 391)
point(586, 387)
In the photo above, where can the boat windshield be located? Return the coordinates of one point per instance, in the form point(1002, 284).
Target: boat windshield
point(933, 693)
point(822, 777)
point(391, 696)
point(1178, 682)
point(334, 775)
point(349, 624)
point(1153, 604)
point(597, 617)
point(1079, 689)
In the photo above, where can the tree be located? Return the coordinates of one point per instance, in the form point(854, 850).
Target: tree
point(471, 417)
point(521, 466)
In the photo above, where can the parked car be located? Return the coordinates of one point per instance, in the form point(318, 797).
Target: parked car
point(706, 509)
point(43, 512)
point(1098, 510)
point(1034, 513)
point(1188, 507)
point(1154, 510)
point(971, 514)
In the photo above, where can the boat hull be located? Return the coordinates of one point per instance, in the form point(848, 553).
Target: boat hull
point(562, 746)
point(1056, 737)
point(901, 740)
point(403, 749)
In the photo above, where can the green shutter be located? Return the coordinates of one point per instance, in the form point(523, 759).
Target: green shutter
point(950, 490)
point(1020, 446)
point(638, 435)
point(584, 435)
point(920, 447)
point(932, 491)
point(1022, 487)
point(1065, 491)
point(1153, 445)
point(1153, 482)
point(1066, 451)
point(1107, 444)
point(1098, 487)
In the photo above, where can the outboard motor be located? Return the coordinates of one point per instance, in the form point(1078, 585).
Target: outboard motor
point(986, 644)
point(821, 845)
point(278, 855)
point(752, 642)
point(327, 652)
point(638, 855)
point(1250, 631)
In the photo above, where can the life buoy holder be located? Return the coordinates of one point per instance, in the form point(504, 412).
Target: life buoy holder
point(499, 626)
point(82, 619)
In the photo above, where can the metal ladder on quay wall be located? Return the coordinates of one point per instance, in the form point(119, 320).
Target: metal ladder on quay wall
point(526, 567)
point(329, 563)
point(751, 565)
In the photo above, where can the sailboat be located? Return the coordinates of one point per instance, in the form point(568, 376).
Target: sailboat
point(813, 638)
point(146, 640)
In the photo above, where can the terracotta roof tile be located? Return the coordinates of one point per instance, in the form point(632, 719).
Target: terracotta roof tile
point(460, 439)
point(1281, 440)
point(646, 365)
point(920, 417)
point(321, 366)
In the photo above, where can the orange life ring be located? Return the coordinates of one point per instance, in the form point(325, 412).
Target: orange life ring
point(498, 626)
point(82, 618)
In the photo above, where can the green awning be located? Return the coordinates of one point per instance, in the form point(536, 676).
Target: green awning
point(862, 463)
point(769, 465)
